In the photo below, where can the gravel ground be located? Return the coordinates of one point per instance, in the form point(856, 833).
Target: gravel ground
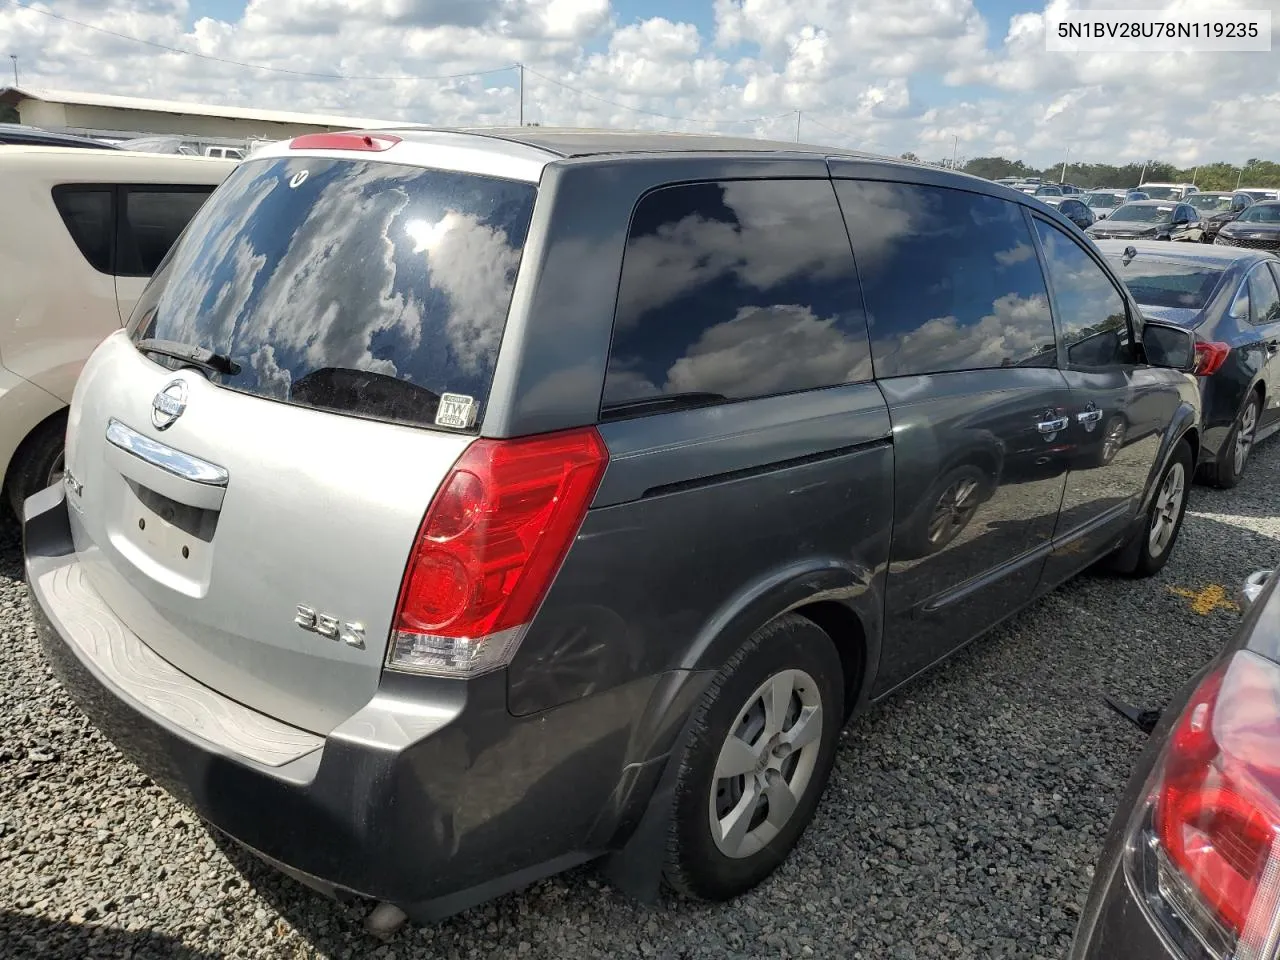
point(962, 819)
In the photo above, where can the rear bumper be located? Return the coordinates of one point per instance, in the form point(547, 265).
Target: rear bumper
point(433, 796)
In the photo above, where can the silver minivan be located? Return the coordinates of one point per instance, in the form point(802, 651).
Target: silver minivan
point(456, 508)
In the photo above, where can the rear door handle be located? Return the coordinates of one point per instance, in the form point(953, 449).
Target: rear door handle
point(1053, 426)
point(1089, 416)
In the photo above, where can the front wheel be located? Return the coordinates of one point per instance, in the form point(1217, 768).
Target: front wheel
point(37, 463)
point(761, 749)
point(1148, 551)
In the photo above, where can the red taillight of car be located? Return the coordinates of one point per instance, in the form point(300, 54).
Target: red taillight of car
point(1210, 356)
point(491, 542)
point(1215, 811)
point(367, 142)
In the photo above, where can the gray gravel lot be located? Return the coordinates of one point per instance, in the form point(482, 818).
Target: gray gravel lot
point(962, 819)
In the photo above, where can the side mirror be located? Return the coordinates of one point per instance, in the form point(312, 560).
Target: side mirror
point(1169, 346)
point(1252, 588)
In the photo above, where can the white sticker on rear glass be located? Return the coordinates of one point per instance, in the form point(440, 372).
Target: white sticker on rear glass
point(455, 410)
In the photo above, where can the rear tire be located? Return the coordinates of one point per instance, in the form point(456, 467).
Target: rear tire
point(761, 748)
point(1146, 554)
point(1235, 452)
point(37, 463)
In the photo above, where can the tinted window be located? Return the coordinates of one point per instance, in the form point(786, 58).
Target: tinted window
point(1163, 283)
point(350, 285)
point(88, 218)
point(1264, 298)
point(950, 278)
point(734, 290)
point(1091, 311)
point(151, 221)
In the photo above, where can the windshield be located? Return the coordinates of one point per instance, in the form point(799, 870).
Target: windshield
point(1160, 283)
point(1162, 193)
point(350, 285)
point(1261, 213)
point(1210, 202)
point(1104, 200)
point(1144, 214)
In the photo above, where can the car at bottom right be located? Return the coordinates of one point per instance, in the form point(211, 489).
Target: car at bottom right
point(1190, 869)
point(1230, 298)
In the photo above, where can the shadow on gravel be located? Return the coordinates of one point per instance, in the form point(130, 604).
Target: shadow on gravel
point(24, 937)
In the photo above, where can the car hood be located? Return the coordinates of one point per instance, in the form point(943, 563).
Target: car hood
point(1182, 316)
point(1236, 228)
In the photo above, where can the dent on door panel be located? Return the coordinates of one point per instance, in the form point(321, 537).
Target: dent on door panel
point(695, 508)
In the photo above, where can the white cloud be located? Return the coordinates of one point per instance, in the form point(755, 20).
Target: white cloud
point(880, 74)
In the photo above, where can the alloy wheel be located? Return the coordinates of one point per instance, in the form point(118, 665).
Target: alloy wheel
point(1167, 509)
point(1244, 436)
point(766, 763)
point(56, 470)
point(953, 511)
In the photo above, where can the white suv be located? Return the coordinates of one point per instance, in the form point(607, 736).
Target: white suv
point(83, 232)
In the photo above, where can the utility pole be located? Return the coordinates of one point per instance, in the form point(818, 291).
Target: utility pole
point(1195, 174)
point(1239, 178)
point(14, 58)
point(521, 67)
point(797, 126)
point(1063, 177)
point(955, 145)
point(1142, 177)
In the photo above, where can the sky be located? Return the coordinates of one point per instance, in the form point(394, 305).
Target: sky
point(889, 76)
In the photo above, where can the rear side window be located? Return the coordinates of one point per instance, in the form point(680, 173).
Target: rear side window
point(355, 286)
point(1167, 283)
point(150, 221)
point(89, 218)
point(734, 290)
point(1264, 298)
point(951, 279)
point(1092, 315)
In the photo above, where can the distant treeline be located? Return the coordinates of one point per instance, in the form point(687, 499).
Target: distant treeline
point(1220, 176)
point(1209, 176)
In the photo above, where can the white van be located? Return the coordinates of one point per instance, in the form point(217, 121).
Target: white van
point(83, 231)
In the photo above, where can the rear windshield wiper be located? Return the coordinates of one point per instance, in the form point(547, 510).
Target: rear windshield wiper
point(200, 356)
point(665, 402)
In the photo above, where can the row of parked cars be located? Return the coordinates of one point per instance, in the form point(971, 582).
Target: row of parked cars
point(453, 507)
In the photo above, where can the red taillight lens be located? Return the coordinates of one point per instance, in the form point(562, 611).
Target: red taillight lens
point(1210, 356)
point(375, 142)
point(1216, 814)
point(492, 540)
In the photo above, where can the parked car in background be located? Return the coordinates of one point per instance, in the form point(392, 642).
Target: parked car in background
point(1230, 298)
point(666, 528)
point(1261, 193)
point(1216, 208)
point(1042, 190)
point(86, 230)
point(1073, 210)
point(1149, 220)
point(1102, 203)
point(19, 134)
point(1257, 228)
point(1188, 868)
point(1168, 191)
point(224, 153)
point(1132, 195)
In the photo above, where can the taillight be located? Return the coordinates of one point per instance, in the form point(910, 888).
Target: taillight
point(1210, 356)
point(375, 142)
point(1211, 855)
point(491, 542)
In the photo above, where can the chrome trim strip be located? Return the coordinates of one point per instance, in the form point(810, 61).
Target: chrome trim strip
point(164, 457)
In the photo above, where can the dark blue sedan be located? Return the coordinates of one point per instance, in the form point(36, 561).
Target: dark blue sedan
point(1231, 298)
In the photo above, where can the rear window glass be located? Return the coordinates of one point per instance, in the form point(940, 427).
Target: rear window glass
point(88, 218)
point(356, 286)
point(1157, 283)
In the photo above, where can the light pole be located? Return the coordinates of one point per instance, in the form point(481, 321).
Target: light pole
point(1063, 177)
point(955, 145)
point(14, 58)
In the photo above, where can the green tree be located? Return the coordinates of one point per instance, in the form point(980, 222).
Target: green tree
point(993, 168)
